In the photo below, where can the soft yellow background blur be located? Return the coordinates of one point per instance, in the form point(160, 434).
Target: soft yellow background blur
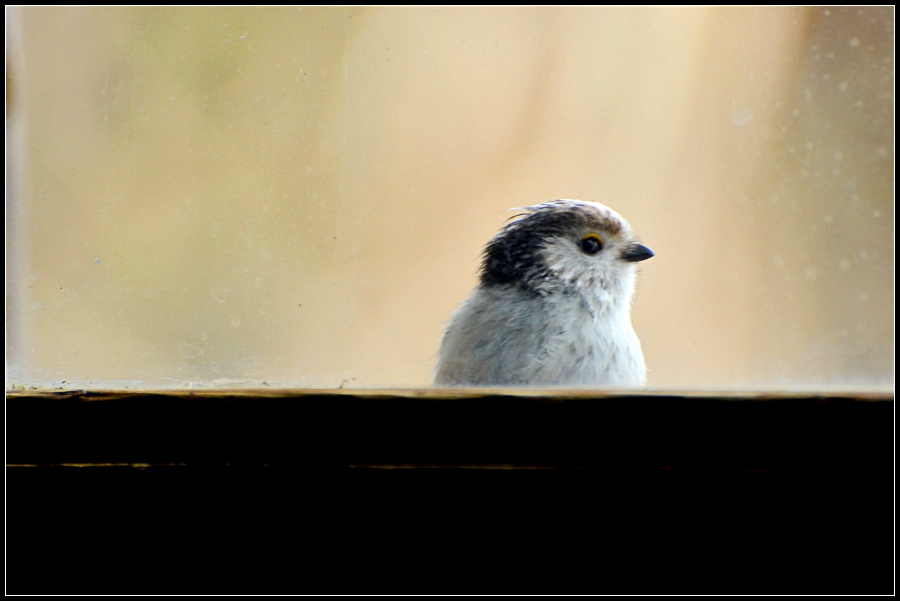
point(299, 196)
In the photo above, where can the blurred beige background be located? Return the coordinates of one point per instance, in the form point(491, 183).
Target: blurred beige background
point(300, 196)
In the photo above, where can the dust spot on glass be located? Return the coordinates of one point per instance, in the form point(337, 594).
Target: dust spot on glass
point(96, 260)
point(741, 117)
point(810, 274)
point(189, 351)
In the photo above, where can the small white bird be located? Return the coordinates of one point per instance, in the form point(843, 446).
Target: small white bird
point(553, 305)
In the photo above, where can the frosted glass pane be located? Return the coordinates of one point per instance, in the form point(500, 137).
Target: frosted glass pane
point(299, 197)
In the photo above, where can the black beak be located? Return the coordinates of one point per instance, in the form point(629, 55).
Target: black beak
point(636, 252)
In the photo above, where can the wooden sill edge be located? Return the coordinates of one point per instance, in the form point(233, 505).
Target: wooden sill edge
point(101, 394)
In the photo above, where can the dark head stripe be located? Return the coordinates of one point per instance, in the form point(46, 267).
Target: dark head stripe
point(513, 255)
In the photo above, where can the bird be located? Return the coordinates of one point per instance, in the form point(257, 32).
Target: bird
point(552, 307)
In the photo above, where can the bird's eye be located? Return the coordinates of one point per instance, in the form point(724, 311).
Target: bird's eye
point(592, 244)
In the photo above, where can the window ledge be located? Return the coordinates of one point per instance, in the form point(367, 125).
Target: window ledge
point(448, 491)
point(462, 428)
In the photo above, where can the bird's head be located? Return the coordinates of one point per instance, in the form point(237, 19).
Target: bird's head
point(566, 246)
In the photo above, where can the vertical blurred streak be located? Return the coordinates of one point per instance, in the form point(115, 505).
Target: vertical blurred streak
point(16, 175)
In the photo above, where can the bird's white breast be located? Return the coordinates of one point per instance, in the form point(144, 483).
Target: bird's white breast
point(503, 335)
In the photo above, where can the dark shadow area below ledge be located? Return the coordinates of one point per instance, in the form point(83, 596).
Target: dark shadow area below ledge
point(402, 492)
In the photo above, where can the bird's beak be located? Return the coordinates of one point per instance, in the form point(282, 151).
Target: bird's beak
point(635, 252)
